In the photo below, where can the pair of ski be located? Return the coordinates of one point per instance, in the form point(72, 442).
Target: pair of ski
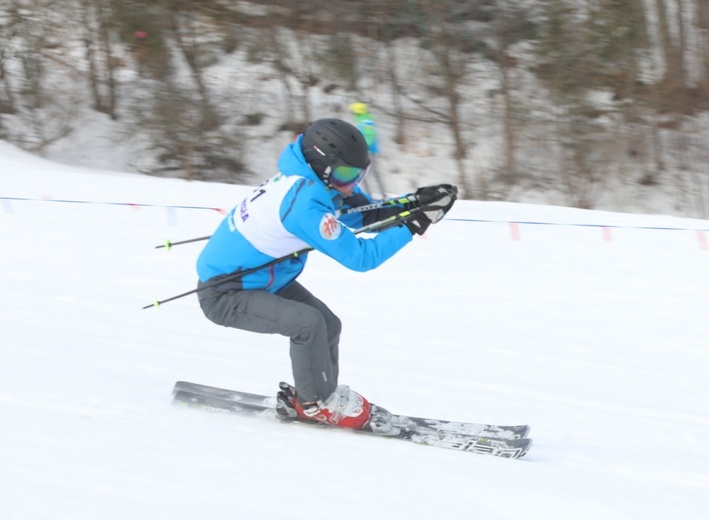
point(501, 441)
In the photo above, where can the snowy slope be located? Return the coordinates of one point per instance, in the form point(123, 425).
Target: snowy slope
point(595, 331)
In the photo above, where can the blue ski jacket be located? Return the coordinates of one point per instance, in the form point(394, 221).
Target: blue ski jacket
point(289, 212)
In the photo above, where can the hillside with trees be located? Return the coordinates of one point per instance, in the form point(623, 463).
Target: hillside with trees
point(584, 103)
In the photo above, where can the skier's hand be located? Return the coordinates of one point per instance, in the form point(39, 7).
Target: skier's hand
point(436, 201)
point(432, 203)
point(418, 223)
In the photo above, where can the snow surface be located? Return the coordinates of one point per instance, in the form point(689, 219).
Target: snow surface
point(594, 331)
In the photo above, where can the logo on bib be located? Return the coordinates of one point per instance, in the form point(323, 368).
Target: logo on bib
point(329, 227)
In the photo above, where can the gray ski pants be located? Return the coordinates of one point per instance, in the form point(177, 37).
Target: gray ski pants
point(313, 329)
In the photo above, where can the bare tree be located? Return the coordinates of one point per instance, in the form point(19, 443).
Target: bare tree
point(510, 24)
point(703, 28)
point(673, 48)
point(451, 70)
point(184, 25)
point(105, 16)
point(385, 23)
point(295, 49)
point(603, 112)
point(8, 20)
point(42, 111)
point(97, 56)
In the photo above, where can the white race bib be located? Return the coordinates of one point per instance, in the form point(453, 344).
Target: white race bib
point(258, 218)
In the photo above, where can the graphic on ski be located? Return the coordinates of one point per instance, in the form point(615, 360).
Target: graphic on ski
point(198, 396)
point(467, 428)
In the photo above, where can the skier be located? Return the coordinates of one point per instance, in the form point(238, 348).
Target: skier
point(299, 208)
point(365, 124)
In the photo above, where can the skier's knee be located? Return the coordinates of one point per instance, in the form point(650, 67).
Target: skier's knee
point(310, 323)
point(335, 327)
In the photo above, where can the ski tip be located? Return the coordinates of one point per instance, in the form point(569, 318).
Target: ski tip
point(522, 431)
point(529, 445)
point(505, 449)
point(523, 445)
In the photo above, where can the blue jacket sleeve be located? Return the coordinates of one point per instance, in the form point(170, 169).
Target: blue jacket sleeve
point(310, 217)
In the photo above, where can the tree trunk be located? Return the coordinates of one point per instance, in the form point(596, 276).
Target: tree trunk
point(673, 52)
point(91, 55)
point(190, 51)
point(104, 17)
point(703, 26)
point(508, 129)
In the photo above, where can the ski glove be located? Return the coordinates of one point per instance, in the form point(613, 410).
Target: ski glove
point(437, 200)
point(433, 203)
point(418, 223)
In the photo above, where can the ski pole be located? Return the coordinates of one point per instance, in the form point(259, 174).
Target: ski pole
point(404, 199)
point(168, 243)
point(399, 217)
point(357, 209)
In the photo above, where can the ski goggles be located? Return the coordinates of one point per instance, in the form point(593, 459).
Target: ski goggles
point(345, 176)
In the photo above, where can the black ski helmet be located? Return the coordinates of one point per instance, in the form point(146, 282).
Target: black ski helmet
point(331, 143)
